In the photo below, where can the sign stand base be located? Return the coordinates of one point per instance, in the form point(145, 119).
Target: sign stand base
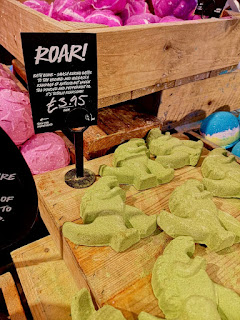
point(73, 181)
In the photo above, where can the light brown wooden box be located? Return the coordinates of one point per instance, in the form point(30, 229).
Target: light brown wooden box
point(123, 280)
point(133, 58)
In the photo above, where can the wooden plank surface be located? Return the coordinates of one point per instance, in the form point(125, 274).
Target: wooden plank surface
point(46, 281)
point(197, 100)
point(123, 279)
point(136, 57)
point(11, 297)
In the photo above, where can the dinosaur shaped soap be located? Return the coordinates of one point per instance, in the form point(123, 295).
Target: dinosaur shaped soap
point(184, 289)
point(82, 308)
point(171, 151)
point(108, 221)
point(193, 213)
point(221, 174)
point(132, 166)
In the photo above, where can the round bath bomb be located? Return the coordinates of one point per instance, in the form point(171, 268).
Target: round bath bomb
point(106, 17)
point(177, 8)
point(144, 18)
point(38, 5)
point(45, 152)
point(236, 149)
point(115, 6)
point(16, 115)
point(221, 128)
point(170, 19)
point(5, 74)
point(83, 8)
point(132, 8)
point(6, 83)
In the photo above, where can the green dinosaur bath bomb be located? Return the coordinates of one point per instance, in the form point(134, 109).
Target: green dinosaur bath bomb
point(171, 151)
point(193, 213)
point(108, 221)
point(82, 309)
point(133, 166)
point(221, 174)
point(184, 289)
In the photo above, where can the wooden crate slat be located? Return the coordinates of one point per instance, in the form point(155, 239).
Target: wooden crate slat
point(11, 297)
point(197, 100)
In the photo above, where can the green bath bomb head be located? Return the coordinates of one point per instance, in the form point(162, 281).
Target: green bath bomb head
point(171, 151)
point(221, 174)
point(133, 166)
point(193, 213)
point(82, 309)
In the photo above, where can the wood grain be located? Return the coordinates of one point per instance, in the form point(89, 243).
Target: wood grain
point(46, 281)
point(11, 297)
point(195, 101)
point(123, 279)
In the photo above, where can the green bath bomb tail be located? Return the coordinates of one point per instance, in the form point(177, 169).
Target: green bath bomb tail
point(221, 174)
point(184, 289)
point(82, 309)
point(107, 220)
point(193, 213)
point(173, 152)
point(132, 166)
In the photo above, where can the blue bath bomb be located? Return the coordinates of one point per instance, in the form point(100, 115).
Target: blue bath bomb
point(221, 128)
point(236, 149)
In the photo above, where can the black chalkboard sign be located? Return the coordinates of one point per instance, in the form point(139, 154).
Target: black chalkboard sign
point(62, 76)
point(18, 195)
point(210, 8)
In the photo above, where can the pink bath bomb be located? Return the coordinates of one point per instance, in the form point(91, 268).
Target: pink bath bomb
point(38, 5)
point(170, 19)
point(106, 17)
point(115, 6)
point(69, 14)
point(178, 8)
point(5, 74)
point(6, 83)
point(59, 6)
point(83, 8)
point(132, 8)
point(45, 152)
point(145, 18)
point(16, 115)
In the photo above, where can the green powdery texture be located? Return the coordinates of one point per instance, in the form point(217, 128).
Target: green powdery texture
point(108, 221)
point(173, 152)
point(221, 174)
point(184, 289)
point(132, 166)
point(193, 213)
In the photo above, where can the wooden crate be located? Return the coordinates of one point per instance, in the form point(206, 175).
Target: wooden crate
point(46, 281)
point(11, 297)
point(123, 279)
point(134, 58)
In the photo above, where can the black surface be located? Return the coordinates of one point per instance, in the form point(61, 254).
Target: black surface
point(18, 195)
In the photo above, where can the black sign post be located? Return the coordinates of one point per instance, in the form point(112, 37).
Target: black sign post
point(62, 79)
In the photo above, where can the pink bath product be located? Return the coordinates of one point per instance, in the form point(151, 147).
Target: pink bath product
point(45, 152)
point(145, 18)
point(38, 5)
point(170, 19)
point(177, 8)
point(132, 8)
point(115, 6)
point(5, 74)
point(6, 83)
point(16, 115)
point(1, 67)
point(59, 6)
point(83, 8)
point(69, 14)
point(106, 17)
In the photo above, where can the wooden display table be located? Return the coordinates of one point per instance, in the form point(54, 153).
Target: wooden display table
point(46, 281)
point(123, 279)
